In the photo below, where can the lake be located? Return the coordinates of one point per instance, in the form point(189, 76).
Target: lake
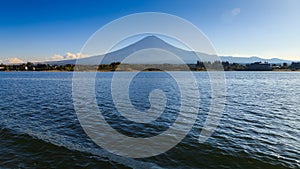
point(259, 128)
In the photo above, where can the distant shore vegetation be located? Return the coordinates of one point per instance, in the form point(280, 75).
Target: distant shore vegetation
point(117, 66)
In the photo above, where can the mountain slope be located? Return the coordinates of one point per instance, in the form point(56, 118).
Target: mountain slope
point(155, 42)
point(245, 60)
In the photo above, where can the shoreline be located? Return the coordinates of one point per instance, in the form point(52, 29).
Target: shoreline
point(285, 70)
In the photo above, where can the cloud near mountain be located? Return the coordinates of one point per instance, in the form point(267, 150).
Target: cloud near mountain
point(12, 61)
point(56, 57)
point(68, 55)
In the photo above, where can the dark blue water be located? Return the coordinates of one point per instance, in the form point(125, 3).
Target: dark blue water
point(260, 127)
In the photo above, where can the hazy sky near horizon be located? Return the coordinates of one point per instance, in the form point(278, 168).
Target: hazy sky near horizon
point(39, 30)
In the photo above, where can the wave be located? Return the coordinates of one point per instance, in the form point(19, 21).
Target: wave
point(57, 145)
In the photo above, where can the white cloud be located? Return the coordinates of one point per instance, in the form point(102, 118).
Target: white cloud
point(68, 55)
point(57, 57)
point(72, 55)
point(229, 16)
point(235, 11)
point(13, 61)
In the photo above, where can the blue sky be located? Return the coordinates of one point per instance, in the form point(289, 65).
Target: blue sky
point(38, 30)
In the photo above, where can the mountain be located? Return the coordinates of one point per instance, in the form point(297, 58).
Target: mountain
point(156, 56)
point(145, 43)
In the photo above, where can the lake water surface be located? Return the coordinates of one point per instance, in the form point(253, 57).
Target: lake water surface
point(259, 128)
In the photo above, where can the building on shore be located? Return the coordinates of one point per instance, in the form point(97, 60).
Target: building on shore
point(259, 66)
point(295, 66)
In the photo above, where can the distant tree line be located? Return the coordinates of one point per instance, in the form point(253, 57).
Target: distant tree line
point(256, 66)
point(36, 67)
point(199, 66)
